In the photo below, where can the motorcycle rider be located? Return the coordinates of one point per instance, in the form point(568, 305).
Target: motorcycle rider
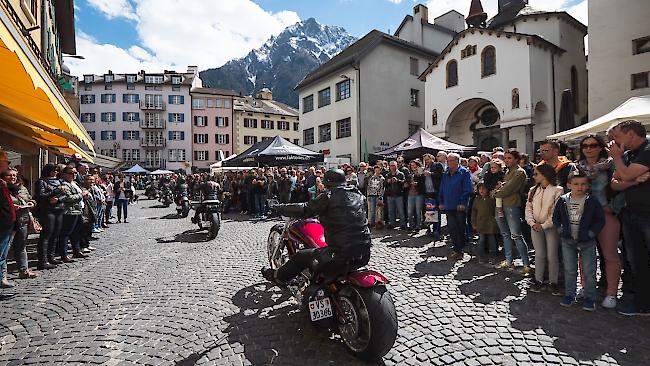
point(341, 210)
point(181, 189)
point(210, 190)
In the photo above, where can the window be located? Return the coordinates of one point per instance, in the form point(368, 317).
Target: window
point(153, 79)
point(88, 99)
point(176, 99)
point(176, 135)
point(92, 135)
point(108, 86)
point(324, 97)
point(266, 138)
point(198, 103)
point(131, 154)
point(210, 103)
point(89, 79)
point(414, 127)
point(250, 122)
point(325, 132)
point(296, 126)
point(109, 152)
point(343, 128)
point(130, 98)
point(107, 98)
point(308, 104)
point(130, 116)
point(488, 61)
point(414, 66)
point(218, 103)
point(640, 80)
point(109, 117)
point(222, 139)
point(515, 98)
point(308, 135)
point(87, 117)
point(267, 124)
point(249, 140)
point(176, 154)
point(283, 125)
point(415, 98)
point(222, 121)
point(200, 138)
point(468, 51)
point(176, 117)
point(153, 87)
point(88, 87)
point(641, 45)
point(452, 73)
point(574, 89)
point(130, 135)
point(434, 117)
point(176, 80)
point(153, 101)
point(200, 155)
point(130, 79)
point(109, 135)
point(108, 78)
point(296, 141)
point(227, 104)
point(343, 90)
point(200, 121)
point(130, 87)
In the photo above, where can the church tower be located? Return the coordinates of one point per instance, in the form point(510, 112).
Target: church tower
point(476, 17)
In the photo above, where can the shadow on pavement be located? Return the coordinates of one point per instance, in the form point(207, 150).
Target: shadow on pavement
point(189, 236)
point(485, 285)
point(438, 266)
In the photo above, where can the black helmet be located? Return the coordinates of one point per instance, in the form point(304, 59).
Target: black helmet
point(334, 177)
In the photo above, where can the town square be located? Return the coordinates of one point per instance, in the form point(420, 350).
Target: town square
point(358, 182)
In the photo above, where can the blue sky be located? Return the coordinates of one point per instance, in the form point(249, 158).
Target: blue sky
point(124, 35)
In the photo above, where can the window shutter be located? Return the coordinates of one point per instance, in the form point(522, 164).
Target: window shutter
point(182, 117)
point(196, 154)
point(137, 116)
point(137, 98)
point(103, 135)
point(92, 99)
point(170, 135)
point(196, 118)
point(227, 138)
point(125, 135)
point(195, 138)
point(124, 116)
point(102, 117)
point(114, 133)
point(226, 121)
point(169, 117)
point(114, 98)
point(114, 116)
point(182, 135)
point(169, 99)
point(137, 135)
point(92, 117)
point(216, 138)
point(124, 96)
point(182, 99)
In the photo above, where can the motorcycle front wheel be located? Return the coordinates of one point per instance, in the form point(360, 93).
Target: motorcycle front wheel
point(276, 250)
point(368, 325)
point(185, 209)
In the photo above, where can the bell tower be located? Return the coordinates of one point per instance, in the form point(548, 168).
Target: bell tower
point(477, 16)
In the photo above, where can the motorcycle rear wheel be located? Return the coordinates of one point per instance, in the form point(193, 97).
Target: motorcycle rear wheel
point(215, 225)
point(185, 209)
point(370, 326)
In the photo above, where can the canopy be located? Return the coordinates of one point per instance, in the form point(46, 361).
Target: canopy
point(418, 144)
point(637, 108)
point(274, 152)
point(137, 169)
point(161, 171)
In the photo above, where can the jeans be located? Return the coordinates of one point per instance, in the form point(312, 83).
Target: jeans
point(122, 206)
point(109, 210)
point(488, 239)
point(260, 203)
point(396, 206)
point(372, 209)
point(456, 221)
point(99, 218)
point(546, 244)
point(415, 207)
point(18, 245)
point(636, 230)
point(587, 250)
point(510, 227)
point(48, 242)
point(5, 243)
point(70, 231)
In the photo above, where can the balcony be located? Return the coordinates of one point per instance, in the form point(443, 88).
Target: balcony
point(152, 106)
point(153, 125)
point(153, 143)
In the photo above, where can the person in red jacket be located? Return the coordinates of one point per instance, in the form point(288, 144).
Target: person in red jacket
point(7, 222)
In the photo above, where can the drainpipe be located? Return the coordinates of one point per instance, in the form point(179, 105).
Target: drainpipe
point(358, 68)
point(555, 128)
point(44, 28)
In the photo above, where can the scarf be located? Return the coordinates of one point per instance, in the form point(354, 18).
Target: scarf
point(473, 169)
point(595, 169)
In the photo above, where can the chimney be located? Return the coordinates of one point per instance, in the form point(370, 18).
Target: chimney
point(421, 11)
point(193, 70)
point(420, 16)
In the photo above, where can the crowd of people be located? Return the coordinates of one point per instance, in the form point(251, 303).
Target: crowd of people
point(569, 216)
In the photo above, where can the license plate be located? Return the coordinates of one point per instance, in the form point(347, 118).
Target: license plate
point(320, 309)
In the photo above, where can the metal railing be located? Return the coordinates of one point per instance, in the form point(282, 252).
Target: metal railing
point(157, 125)
point(156, 106)
point(153, 143)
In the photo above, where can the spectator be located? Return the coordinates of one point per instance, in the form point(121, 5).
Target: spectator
point(494, 175)
point(88, 214)
point(122, 192)
point(50, 214)
point(351, 178)
point(510, 223)
point(415, 194)
point(484, 223)
point(284, 187)
point(72, 197)
point(310, 177)
point(631, 176)
point(441, 158)
point(579, 218)
point(433, 171)
point(7, 223)
point(539, 216)
point(455, 188)
point(110, 199)
point(23, 204)
point(549, 151)
point(362, 177)
point(395, 201)
point(375, 190)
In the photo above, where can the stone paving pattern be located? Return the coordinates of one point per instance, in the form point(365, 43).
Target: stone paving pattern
point(155, 293)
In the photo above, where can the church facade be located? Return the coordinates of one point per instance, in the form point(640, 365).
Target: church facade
point(500, 82)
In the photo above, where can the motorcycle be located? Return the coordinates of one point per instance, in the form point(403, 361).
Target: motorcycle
point(166, 197)
point(182, 205)
point(151, 192)
point(210, 218)
point(356, 305)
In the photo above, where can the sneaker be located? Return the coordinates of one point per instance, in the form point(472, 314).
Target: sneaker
point(90, 248)
point(505, 265)
point(581, 294)
point(609, 302)
point(555, 289)
point(526, 271)
point(537, 287)
point(6, 284)
point(85, 250)
point(567, 301)
point(632, 310)
point(96, 231)
point(588, 304)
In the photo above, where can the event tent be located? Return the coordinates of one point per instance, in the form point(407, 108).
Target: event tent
point(637, 108)
point(136, 169)
point(418, 144)
point(161, 172)
point(274, 152)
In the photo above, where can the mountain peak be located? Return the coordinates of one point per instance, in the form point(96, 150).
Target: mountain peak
point(282, 61)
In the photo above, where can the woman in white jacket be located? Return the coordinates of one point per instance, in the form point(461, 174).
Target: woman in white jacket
point(539, 216)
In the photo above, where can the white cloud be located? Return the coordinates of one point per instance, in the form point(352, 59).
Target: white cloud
point(174, 34)
point(395, 1)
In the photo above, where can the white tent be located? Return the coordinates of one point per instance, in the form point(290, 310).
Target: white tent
point(218, 166)
point(636, 108)
point(161, 171)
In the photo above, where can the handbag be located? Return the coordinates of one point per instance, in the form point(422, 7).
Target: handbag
point(33, 227)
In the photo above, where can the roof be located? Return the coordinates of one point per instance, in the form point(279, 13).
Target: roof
point(187, 77)
point(215, 91)
point(427, 24)
point(522, 11)
point(532, 39)
point(253, 105)
point(356, 51)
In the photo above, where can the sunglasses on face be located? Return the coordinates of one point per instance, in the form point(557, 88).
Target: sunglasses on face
point(590, 146)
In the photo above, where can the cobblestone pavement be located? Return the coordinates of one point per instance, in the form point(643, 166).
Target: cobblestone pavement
point(154, 292)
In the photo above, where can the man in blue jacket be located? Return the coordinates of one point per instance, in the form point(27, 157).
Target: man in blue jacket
point(455, 188)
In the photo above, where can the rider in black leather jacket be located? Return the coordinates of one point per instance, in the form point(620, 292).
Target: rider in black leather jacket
point(342, 212)
point(210, 190)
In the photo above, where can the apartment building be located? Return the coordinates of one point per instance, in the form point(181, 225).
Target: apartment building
point(142, 118)
point(212, 126)
point(260, 118)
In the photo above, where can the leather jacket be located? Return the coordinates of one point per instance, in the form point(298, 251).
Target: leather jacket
point(210, 190)
point(181, 189)
point(342, 212)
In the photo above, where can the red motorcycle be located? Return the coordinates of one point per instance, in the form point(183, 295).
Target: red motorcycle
point(356, 305)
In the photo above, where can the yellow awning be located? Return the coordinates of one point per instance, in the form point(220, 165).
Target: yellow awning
point(26, 96)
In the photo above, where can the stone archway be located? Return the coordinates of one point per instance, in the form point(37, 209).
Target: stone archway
point(476, 122)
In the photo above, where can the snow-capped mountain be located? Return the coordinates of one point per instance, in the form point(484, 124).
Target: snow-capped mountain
point(282, 61)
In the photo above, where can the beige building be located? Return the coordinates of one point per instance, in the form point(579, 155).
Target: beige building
point(259, 118)
point(619, 53)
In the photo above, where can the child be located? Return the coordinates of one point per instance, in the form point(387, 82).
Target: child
point(485, 225)
point(493, 179)
point(579, 219)
point(375, 191)
point(539, 216)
